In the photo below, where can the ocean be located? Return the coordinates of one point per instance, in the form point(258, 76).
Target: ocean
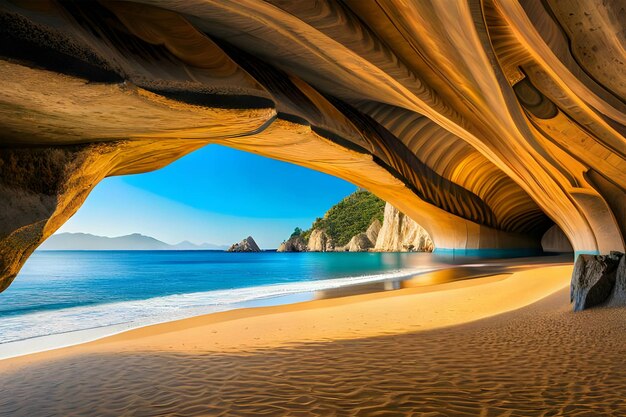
point(65, 297)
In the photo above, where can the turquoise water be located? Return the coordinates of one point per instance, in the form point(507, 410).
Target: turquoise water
point(66, 291)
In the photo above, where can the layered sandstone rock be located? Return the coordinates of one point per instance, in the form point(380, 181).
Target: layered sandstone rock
point(400, 233)
point(246, 245)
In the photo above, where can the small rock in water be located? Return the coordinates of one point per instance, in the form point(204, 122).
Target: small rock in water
point(246, 245)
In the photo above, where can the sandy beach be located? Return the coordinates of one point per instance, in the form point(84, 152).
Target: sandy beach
point(505, 344)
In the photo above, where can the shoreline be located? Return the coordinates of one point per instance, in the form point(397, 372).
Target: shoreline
point(507, 344)
point(434, 275)
point(327, 319)
point(275, 295)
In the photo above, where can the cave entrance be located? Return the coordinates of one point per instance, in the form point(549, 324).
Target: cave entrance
point(150, 247)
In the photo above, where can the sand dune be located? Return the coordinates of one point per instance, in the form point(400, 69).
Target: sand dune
point(332, 357)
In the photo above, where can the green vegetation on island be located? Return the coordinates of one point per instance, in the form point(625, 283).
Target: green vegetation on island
point(348, 218)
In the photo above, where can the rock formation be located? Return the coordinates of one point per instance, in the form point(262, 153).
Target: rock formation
point(319, 241)
point(293, 244)
point(401, 233)
point(365, 241)
point(246, 245)
point(359, 243)
point(373, 230)
point(397, 233)
point(486, 123)
point(598, 279)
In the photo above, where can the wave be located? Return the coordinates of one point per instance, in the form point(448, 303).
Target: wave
point(130, 314)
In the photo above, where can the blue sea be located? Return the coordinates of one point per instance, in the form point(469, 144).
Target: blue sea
point(73, 296)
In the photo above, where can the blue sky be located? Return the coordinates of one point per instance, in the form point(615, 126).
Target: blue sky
point(216, 195)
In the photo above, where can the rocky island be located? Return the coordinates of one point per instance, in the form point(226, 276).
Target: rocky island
point(246, 245)
point(360, 222)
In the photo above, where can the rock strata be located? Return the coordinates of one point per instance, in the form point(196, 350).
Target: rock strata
point(594, 280)
point(246, 245)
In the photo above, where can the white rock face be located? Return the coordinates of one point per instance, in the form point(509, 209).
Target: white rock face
point(399, 233)
point(373, 231)
point(319, 241)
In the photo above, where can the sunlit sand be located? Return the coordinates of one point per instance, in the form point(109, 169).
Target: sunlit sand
point(500, 345)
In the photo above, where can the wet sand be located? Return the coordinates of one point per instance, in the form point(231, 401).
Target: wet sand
point(504, 345)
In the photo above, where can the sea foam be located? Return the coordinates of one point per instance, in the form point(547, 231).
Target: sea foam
point(38, 331)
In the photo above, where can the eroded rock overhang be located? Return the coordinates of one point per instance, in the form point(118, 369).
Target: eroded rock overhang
point(486, 122)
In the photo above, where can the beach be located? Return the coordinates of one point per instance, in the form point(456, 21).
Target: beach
point(505, 344)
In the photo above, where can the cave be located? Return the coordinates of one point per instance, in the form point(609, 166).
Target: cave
point(488, 141)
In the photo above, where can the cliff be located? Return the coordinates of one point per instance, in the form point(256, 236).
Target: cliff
point(400, 233)
point(246, 245)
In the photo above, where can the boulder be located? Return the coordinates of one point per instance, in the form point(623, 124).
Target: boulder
point(293, 244)
point(246, 245)
point(593, 279)
point(319, 241)
point(618, 296)
point(359, 243)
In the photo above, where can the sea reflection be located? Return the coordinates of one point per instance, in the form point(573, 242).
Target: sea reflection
point(444, 270)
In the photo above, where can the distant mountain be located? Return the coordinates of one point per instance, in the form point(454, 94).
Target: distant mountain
point(136, 241)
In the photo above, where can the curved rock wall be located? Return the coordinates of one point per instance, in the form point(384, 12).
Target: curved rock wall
point(486, 122)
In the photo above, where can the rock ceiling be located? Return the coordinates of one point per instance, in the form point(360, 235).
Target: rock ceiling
point(486, 121)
